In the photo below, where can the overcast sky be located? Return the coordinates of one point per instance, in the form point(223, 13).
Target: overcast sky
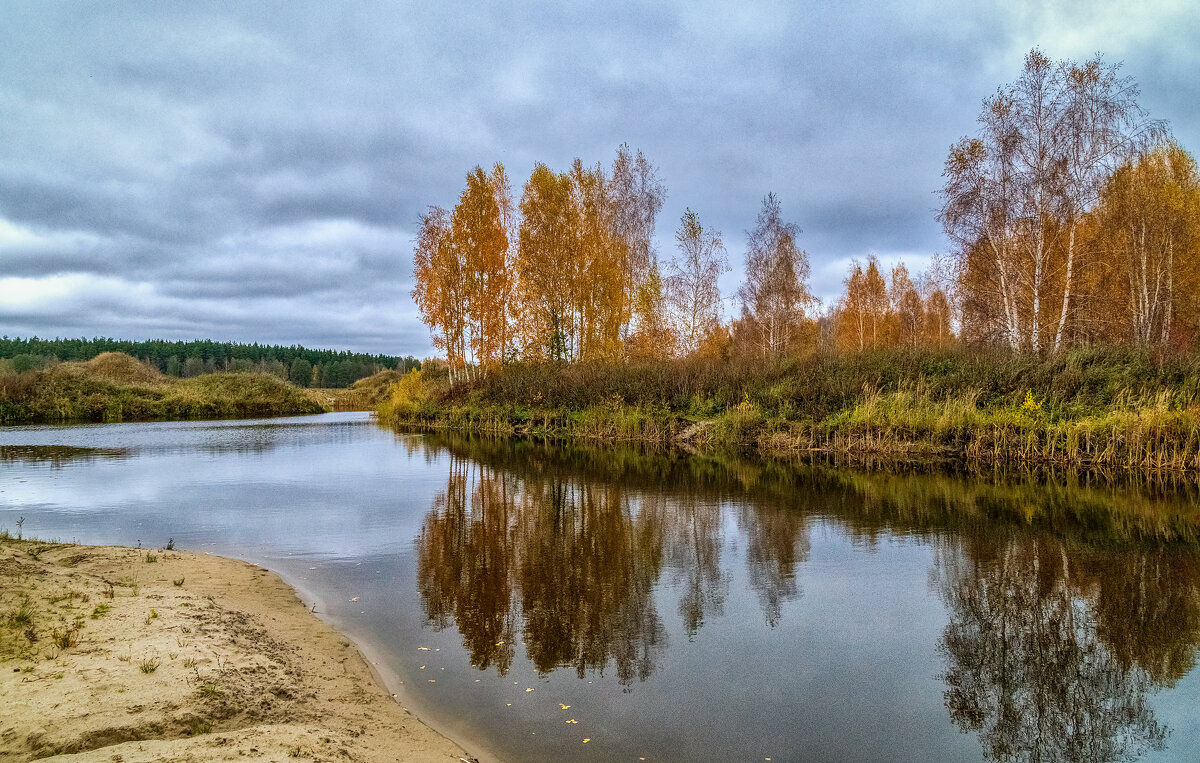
point(255, 171)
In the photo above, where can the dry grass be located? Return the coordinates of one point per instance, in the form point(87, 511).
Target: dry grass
point(1111, 407)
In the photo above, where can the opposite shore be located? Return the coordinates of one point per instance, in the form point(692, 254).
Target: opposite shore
point(1112, 408)
point(142, 655)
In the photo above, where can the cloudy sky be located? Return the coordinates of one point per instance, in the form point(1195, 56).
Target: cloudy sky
point(255, 171)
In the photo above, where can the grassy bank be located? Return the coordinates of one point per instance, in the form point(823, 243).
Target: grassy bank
point(116, 387)
point(1110, 407)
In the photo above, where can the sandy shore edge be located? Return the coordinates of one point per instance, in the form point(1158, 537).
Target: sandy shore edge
point(128, 655)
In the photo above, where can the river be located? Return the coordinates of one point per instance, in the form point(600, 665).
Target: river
point(550, 602)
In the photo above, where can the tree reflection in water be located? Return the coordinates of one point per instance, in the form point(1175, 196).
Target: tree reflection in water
point(569, 565)
point(581, 561)
point(1053, 651)
point(1069, 605)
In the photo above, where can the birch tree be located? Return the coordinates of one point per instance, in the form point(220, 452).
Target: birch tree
point(478, 236)
point(907, 307)
point(1147, 231)
point(440, 287)
point(693, 293)
point(1015, 193)
point(546, 265)
point(637, 194)
point(775, 295)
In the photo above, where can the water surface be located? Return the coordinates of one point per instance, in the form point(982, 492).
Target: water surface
point(680, 608)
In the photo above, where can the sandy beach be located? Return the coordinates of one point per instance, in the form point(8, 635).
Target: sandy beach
point(125, 655)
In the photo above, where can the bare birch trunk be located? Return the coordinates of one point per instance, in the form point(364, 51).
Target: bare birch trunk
point(1066, 305)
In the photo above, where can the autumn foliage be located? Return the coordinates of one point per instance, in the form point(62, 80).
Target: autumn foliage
point(1074, 219)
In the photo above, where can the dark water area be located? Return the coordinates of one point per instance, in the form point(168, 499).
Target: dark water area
point(527, 597)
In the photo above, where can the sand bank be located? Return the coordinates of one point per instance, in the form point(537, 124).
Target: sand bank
point(127, 655)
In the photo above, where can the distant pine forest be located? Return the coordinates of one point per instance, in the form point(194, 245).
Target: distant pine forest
point(299, 365)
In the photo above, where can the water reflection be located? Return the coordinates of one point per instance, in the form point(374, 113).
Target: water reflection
point(572, 560)
point(1053, 650)
point(1069, 605)
point(57, 455)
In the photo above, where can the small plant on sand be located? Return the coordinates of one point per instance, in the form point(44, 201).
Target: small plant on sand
point(149, 664)
point(65, 639)
point(178, 582)
point(20, 524)
point(210, 690)
point(22, 614)
point(131, 583)
point(199, 726)
point(190, 662)
point(151, 558)
point(101, 610)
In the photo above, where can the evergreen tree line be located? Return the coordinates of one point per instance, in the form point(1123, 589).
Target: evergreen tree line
point(302, 366)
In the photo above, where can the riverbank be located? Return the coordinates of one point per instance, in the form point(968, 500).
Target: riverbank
point(1093, 407)
point(165, 655)
point(114, 387)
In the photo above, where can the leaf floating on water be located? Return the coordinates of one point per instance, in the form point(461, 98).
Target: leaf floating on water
point(572, 721)
point(564, 707)
point(422, 667)
point(354, 599)
point(587, 739)
point(433, 680)
point(529, 689)
point(422, 649)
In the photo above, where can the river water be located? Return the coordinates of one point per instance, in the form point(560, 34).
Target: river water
point(548, 602)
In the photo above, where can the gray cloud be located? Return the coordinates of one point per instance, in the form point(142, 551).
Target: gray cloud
point(255, 171)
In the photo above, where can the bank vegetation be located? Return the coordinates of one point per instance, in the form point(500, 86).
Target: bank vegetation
point(1107, 407)
point(116, 387)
